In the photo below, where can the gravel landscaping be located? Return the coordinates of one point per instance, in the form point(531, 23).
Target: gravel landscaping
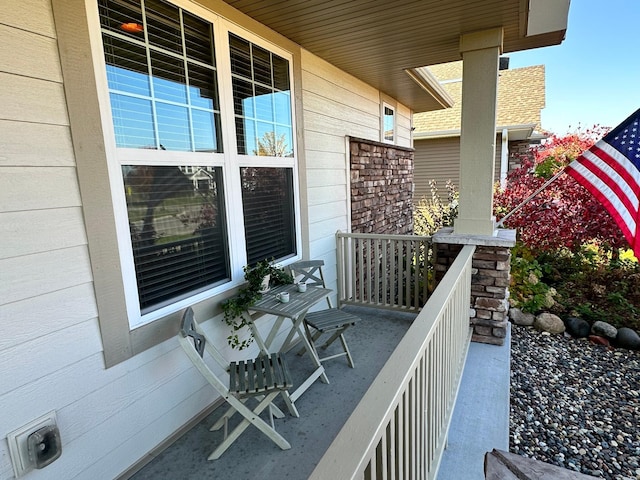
point(575, 404)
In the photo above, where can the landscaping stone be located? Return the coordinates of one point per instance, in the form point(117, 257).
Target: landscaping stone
point(519, 317)
point(604, 329)
point(577, 327)
point(627, 338)
point(548, 322)
point(574, 404)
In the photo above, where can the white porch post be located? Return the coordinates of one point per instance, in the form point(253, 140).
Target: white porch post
point(480, 55)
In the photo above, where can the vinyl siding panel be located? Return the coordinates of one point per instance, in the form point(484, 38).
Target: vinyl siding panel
point(438, 160)
point(336, 106)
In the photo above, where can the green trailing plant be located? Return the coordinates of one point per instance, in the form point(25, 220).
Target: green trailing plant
point(233, 308)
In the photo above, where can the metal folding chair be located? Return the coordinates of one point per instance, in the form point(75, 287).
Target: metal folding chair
point(262, 378)
point(332, 321)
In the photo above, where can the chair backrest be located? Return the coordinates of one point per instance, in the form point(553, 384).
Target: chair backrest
point(195, 343)
point(310, 272)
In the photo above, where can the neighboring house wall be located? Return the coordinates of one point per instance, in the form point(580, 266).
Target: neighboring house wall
point(439, 160)
point(51, 352)
point(521, 97)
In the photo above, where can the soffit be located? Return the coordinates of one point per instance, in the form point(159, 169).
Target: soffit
point(377, 40)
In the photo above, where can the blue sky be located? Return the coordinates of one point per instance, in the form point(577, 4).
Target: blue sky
point(593, 76)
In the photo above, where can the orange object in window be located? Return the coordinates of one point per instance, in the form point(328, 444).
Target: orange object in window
point(131, 27)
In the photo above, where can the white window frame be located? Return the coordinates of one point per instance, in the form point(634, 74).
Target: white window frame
point(383, 107)
point(230, 161)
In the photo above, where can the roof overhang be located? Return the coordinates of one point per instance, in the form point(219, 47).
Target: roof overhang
point(379, 42)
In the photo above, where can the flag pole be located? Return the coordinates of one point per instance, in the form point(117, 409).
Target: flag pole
point(530, 197)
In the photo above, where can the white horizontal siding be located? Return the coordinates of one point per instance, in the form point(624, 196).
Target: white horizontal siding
point(32, 100)
point(32, 317)
point(53, 148)
point(34, 231)
point(29, 188)
point(336, 106)
point(29, 55)
point(33, 16)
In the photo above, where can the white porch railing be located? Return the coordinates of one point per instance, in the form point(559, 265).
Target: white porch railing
point(384, 271)
point(399, 428)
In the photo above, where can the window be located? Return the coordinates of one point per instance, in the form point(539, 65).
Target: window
point(178, 232)
point(188, 163)
point(388, 124)
point(267, 200)
point(261, 99)
point(162, 78)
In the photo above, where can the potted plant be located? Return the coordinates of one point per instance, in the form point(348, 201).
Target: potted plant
point(260, 277)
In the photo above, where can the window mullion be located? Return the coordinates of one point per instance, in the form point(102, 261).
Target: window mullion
point(187, 71)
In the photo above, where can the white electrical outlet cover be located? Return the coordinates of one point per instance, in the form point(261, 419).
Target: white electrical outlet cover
point(18, 447)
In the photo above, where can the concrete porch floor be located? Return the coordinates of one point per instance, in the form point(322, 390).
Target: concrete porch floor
point(480, 422)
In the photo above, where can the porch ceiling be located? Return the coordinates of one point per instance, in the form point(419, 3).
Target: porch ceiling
point(377, 40)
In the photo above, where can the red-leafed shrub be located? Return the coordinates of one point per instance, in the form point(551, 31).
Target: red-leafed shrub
point(564, 214)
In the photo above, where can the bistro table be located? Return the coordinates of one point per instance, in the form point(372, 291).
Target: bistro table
point(295, 310)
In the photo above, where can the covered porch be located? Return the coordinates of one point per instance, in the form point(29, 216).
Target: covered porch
point(479, 422)
point(393, 415)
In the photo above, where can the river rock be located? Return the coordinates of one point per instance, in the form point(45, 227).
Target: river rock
point(627, 338)
point(521, 318)
point(577, 327)
point(604, 329)
point(548, 322)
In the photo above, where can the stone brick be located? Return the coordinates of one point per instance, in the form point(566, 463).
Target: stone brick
point(493, 304)
point(482, 330)
point(485, 314)
point(500, 291)
point(485, 264)
point(490, 339)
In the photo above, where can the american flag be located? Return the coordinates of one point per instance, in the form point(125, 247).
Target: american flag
point(610, 170)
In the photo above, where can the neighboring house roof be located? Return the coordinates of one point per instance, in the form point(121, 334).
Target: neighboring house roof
point(521, 97)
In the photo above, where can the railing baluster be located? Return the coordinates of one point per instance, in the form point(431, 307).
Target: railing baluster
point(404, 417)
point(378, 268)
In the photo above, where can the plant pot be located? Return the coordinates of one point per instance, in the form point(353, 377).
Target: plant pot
point(264, 287)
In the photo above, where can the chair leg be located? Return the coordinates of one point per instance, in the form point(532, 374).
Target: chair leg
point(316, 335)
point(250, 417)
point(346, 349)
point(333, 338)
point(232, 411)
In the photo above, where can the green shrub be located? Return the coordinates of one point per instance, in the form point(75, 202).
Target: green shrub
point(592, 283)
point(432, 214)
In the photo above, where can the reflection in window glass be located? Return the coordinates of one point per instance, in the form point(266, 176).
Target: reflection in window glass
point(262, 100)
point(178, 87)
point(178, 231)
point(173, 127)
point(169, 82)
point(133, 123)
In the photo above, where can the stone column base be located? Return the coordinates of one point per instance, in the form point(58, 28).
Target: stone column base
point(489, 302)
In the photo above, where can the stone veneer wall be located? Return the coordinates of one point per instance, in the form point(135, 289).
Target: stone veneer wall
point(518, 152)
point(381, 187)
point(491, 273)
